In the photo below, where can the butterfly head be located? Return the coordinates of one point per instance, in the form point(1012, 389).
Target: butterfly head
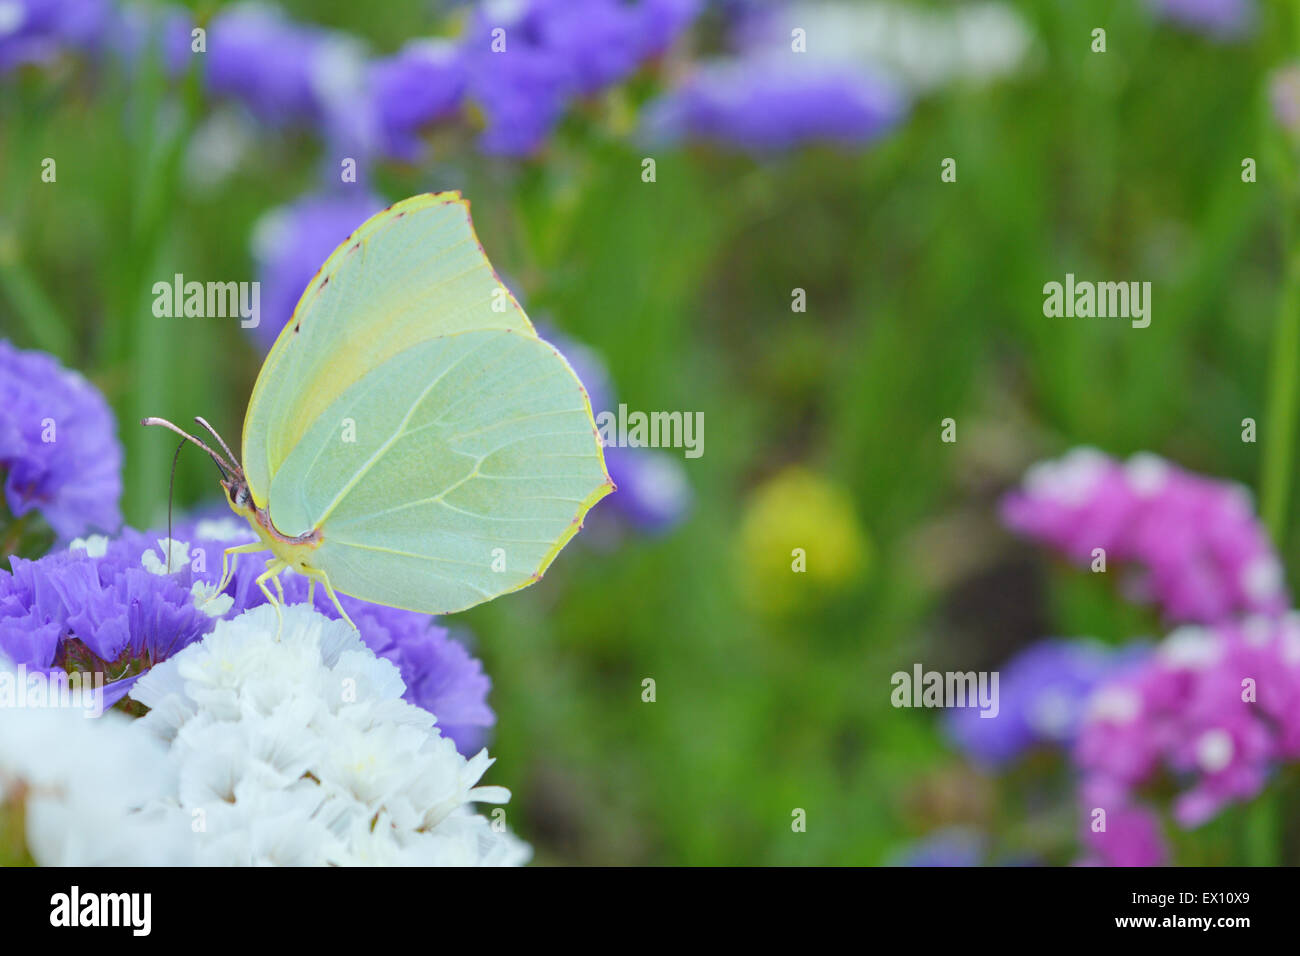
point(237, 494)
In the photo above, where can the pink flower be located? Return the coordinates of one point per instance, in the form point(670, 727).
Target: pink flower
point(1215, 708)
point(1131, 837)
point(1195, 545)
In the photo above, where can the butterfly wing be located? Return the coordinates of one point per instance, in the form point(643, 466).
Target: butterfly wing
point(450, 465)
point(410, 273)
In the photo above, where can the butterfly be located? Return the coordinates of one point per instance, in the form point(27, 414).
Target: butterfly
point(410, 440)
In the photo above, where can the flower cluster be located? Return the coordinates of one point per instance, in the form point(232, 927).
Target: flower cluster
point(1215, 708)
point(97, 608)
point(275, 740)
point(767, 104)
point(518, 65)
point(282, 71)
point(440, 675)
point(525, 62)
point(422, 84)
point(834, 72)
point(918, 48)
point(59, 453)
point(36, 31)
point(86, 792)
point(292, 745)
point(123, 606)
point(515, 68)
point(1199, 550)
point(1211, 710)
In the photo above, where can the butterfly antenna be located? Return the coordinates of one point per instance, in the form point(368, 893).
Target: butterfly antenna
point(226, 468)
point(171, 488)
point(221, 441)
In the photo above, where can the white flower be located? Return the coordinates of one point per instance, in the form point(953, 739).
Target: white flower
point(207, 600)
point(1117, 705)
point(95, 545)
point(89, 789)
point(1214, 750)
point(175, 557)
point(1191, 647)
point(1147, 474)
point(1070, 479)
point(920, 48)
point(12, 16)
point(1262, 578)
point(301, 750)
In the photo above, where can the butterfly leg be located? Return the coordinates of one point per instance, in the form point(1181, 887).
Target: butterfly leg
point(315, 574)
point(275, 579)
point(311, 591)
point(272, 572)
point(228, 567)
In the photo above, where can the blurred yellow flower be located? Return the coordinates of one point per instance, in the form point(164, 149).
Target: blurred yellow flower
point(799, 540)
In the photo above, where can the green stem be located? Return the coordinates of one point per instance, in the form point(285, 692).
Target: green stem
point(1262, 827)
point(1263, 834)
point(1280, 421)
point(1263, 845)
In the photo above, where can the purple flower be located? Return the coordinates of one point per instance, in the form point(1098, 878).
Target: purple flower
point(440, 674)
point(414, 88)
point(1042, 693)
point(528, 60)
point(953, 846)
point(599, 40)
point(115, 607)
point(1131, 837)
point(287, 73)
point(1200, 552)
point(291, 242)
point(135, 28)
point(652, 492)
point(522, 90)
point(59, 452)
point(762, 104)
point(1221, 19)
point(98, 613)
point(660, 22)
point(36, 31)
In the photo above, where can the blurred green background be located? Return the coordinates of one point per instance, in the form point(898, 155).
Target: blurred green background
point(924, 301)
